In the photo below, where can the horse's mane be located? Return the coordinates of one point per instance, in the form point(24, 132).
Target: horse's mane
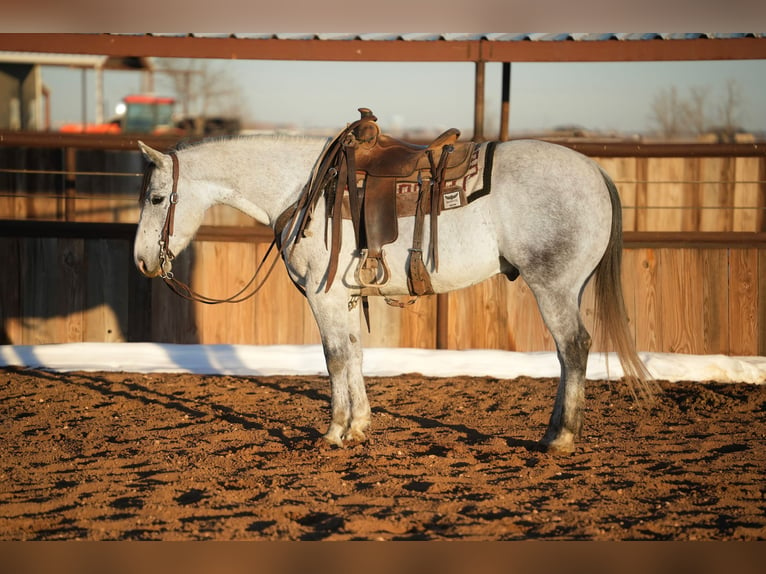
point(194, 143)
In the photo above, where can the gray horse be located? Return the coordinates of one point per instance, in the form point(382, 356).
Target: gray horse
point(553, 217)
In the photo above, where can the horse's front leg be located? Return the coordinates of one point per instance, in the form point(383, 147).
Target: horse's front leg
point(340, 330)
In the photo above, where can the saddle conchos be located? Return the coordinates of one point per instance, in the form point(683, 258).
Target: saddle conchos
point(374, 179)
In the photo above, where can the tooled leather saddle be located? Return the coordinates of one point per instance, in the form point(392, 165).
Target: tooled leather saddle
point(374, 179)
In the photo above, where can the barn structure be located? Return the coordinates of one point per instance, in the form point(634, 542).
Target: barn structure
point(695, 249)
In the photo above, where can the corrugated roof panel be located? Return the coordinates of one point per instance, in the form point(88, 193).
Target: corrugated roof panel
point(598, 37)
point(515, 37)
point(640, 36)
point(380, 37)
point(454, 37)
point(420, 37)
point(255, 36)
point(296, 36)
point(686, 36)
point(323, 36)
point(555, 37)
point(205, 35)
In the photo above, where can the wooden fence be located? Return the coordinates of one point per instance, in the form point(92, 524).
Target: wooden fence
point(694, 266)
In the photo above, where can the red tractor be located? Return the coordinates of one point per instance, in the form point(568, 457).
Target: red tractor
point(139, 113)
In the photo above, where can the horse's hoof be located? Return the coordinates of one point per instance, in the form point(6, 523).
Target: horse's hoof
point(561, 444)
point(557, 449)
point(333, 439)
point(355, 434)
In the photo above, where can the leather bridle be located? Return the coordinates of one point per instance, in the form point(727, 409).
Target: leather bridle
point(166, 255)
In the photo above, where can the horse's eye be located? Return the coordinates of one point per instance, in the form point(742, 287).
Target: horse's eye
point(156, 200)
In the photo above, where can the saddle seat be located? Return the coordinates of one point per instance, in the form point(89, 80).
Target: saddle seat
point(381, 155)
point(392, 157)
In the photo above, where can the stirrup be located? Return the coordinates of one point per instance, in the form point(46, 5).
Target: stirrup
point(370, 267)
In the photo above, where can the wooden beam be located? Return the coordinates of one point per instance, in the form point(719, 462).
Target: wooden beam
point(126, 45)
point(244, 48)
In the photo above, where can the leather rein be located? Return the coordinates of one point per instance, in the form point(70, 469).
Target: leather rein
point(166, 255)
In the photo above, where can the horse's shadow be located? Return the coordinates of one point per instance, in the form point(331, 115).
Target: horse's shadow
point(470, 436)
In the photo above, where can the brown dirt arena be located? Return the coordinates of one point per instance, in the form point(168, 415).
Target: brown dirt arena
point(123, 456)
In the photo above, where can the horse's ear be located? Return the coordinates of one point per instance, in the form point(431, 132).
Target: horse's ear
point(152, 155)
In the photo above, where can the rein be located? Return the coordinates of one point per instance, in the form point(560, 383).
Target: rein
point(166, 255)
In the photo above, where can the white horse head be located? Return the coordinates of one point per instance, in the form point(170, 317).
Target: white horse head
point(159, 194)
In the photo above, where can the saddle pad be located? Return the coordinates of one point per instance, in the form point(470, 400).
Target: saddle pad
point(474, 183)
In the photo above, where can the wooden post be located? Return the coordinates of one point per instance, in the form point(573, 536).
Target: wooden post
point(505, 105)
point(478, 114)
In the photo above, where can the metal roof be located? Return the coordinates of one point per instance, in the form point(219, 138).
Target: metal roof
point(451, 37)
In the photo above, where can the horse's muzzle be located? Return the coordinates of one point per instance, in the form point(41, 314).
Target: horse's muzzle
point(144, 271)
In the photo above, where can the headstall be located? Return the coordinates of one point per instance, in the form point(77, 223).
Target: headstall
point(166, 255)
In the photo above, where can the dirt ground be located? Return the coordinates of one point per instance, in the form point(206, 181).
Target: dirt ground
point(124, 456)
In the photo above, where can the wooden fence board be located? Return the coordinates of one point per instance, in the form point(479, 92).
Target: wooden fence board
point(664, 197)
point(69, 293)
point(743, 302)
point(39, 276)
point(412, 326)
point(632, 267)
point(173, 320)
point(690, 215)
point(526, 331)
point(714, 279)
point(712, 196)
point(10, 292)
point(100, 286)
point(680, 300)
point(647, 310)
point(747, 200)
point(642, 194)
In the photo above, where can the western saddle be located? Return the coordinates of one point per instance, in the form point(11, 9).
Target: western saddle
point(373, 179)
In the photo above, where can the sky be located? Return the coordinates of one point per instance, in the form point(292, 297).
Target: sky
point(268, 360)
point(614, 96)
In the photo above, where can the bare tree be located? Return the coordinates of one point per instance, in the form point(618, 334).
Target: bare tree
point(202, 89)
point(667, 112)
point(694, 110)
point(675, 116)
point(730, 108)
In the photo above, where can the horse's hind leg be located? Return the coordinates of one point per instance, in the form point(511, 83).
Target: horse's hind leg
point(562, 316)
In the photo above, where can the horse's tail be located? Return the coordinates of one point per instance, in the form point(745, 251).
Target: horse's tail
point(610, 313)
